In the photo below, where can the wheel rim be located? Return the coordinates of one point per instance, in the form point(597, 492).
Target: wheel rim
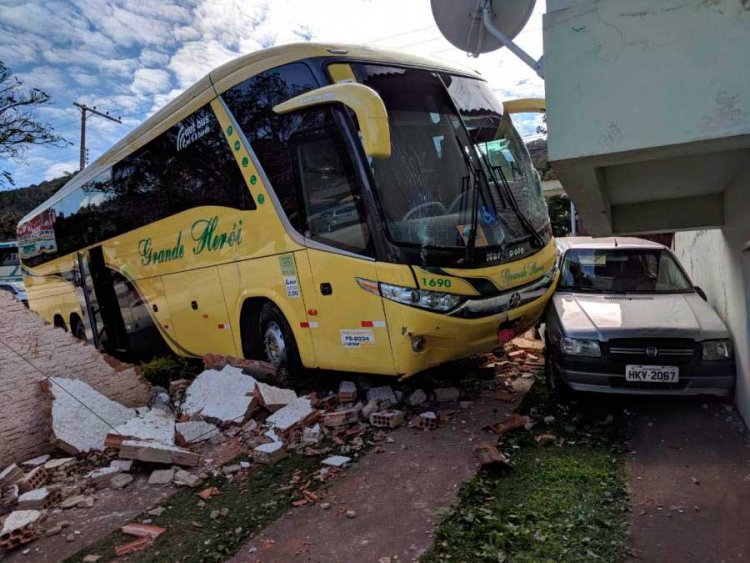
point(274, 344)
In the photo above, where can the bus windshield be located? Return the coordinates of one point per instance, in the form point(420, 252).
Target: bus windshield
point(433, 190)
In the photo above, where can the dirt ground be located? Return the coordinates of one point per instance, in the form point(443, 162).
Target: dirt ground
point(689, 479)
point(87, 525)
point(396, 495)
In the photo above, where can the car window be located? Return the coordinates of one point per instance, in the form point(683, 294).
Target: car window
point(622, 270)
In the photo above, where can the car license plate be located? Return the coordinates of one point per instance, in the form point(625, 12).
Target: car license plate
point(652, 374)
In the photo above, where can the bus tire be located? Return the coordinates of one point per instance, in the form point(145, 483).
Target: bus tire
point(59, 323)
point(277, 343)
point(77, 328)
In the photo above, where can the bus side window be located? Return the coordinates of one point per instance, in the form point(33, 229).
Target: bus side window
point(327, 182)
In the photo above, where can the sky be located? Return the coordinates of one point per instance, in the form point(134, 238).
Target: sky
point(130, 57)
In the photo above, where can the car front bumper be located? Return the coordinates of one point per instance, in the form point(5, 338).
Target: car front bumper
point(698, 378)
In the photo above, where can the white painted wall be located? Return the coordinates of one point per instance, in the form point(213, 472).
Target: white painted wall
point(622, 76)
point(718, 262)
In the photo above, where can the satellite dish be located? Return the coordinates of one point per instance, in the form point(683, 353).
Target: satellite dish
point(481, 26)
point(460, 22)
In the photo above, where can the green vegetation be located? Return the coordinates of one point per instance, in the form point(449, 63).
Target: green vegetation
point(249, 504)
point(562, 501)
point(160, 371)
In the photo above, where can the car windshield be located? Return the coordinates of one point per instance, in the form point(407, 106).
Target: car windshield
point(621, 271)
point(431, 183)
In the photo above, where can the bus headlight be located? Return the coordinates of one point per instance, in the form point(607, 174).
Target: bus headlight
point(431, 300)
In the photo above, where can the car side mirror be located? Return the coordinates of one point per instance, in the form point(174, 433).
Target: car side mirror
point(366, 104)
point(701, 293)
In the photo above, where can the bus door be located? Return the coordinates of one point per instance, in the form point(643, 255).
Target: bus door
point(348, 329)
point(96, 292)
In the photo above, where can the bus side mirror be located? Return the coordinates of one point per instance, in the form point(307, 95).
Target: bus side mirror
point(366, 104)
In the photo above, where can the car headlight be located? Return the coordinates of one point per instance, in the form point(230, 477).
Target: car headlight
point(718, 350)
point(431, 300)
point(580, 347)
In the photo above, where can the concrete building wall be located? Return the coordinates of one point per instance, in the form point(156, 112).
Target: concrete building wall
point(718, 261)
point(30, 351)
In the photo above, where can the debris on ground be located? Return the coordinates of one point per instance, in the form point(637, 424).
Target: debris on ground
point(260, 423)
point(225, 396)
point(81, 416)
point(489, 456)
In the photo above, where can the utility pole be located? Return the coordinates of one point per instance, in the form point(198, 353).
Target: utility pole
point(84, 108)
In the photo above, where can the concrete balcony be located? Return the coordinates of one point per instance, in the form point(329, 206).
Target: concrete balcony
point(648, 109)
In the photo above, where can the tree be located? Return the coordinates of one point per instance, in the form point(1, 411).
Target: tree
point(19, 126)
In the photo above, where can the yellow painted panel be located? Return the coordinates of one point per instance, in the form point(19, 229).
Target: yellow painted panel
point(341, 72)
point(352, 334)
point(395, 274)
point(512, 274)
point(197, 309)
point(271, 278)
point(152, 291)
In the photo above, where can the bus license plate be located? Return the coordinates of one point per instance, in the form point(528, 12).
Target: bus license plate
point(652, 374)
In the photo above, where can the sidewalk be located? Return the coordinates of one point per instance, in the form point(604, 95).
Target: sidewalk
point(689, 478)
point(396, 495)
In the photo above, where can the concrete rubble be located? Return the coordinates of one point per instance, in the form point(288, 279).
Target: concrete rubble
point(81, 416)
point(225, 396)
point(222, 404)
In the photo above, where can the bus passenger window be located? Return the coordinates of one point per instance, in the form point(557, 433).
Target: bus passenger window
point(327, 181)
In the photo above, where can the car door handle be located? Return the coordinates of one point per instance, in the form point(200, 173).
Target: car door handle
point(326, 289)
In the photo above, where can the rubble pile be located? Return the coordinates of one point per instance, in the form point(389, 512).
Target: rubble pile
point(174, 440)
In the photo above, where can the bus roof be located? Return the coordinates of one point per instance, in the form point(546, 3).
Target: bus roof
point(221, 79)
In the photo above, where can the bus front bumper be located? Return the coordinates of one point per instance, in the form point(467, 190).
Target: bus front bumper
point(422, 339)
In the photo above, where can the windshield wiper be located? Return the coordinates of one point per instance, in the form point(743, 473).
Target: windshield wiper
point(514, 204)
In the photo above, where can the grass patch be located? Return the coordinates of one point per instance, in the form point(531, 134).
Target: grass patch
point(252, 502)
point(559, 502)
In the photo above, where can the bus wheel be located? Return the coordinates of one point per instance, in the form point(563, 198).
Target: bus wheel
point(278, 346)
point(79, 331)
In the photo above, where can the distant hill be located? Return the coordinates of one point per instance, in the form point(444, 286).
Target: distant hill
point(14, 204)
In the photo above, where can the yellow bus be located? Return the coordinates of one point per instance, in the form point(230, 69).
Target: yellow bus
point(316, 206)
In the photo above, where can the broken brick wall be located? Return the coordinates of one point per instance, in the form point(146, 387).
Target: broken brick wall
point(25, 339)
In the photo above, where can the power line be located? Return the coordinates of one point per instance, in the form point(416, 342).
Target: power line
point(401, 34)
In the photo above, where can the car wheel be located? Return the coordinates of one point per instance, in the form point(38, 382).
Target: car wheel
point(555, 383)
point(278, 345)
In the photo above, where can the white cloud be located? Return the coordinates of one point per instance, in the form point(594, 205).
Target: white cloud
point(58, 169)
point(131, 57)
point(150, 81)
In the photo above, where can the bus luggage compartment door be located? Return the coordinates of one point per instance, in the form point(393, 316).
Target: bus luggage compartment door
point(349, 332)
point(198, 312)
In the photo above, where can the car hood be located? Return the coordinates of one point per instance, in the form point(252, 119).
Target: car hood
point(676, 315)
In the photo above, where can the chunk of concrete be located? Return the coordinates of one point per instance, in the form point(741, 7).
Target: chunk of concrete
point(416, 398)
point(382, 394)
point(120, 481)
point(122, 464)
point(195, 431)
point(182, 477)
point(81, 416)
point(274, 398)
point(155, 425)
point(101, 477)
point(269, 453)
point(446, 394)
point(22, 525)
point(337, 461)
point(161, 477)
point(225, 396)
point(154, 452)
point(300, 411)
point(36, 462)
point(347, 392)
point(59, 463)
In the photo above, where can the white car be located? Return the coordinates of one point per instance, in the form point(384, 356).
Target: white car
point(627, 319)
point(16, 288)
